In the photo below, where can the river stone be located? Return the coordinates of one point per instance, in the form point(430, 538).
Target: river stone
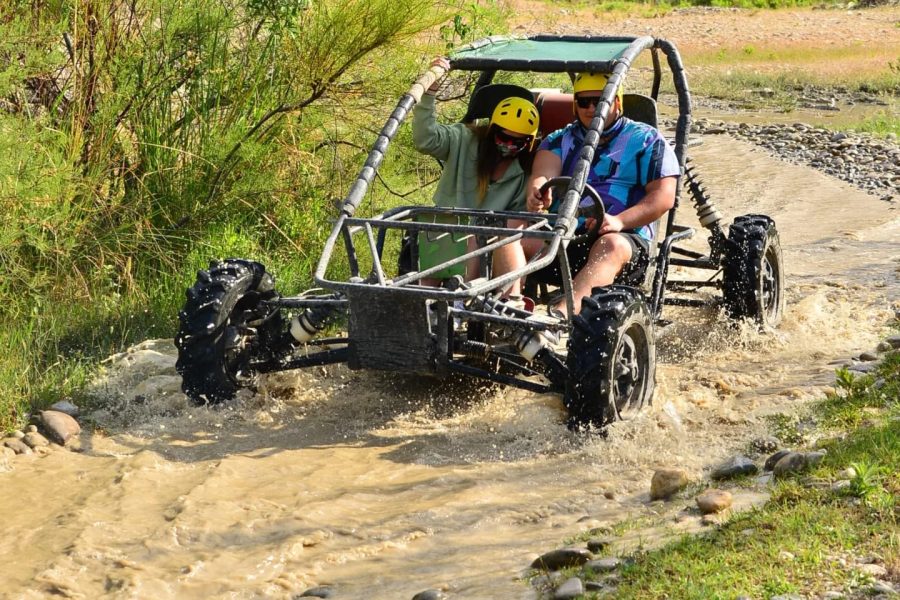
point(598, 544)
point(31, 429)
point(894, 340)
point(60, 427)
point(872, 570)
point(814, 458)
point(35, 440)
point(561, 558)
point(18, 446)
point(322, 591)
point(64, 406)
point(667, 482)
point(603, 565)
point(881, 587)
point(768, 443)
point(868, 356)
point(733, 467)
point(430, 595)
point(713, 501)
point(792, 462)
point(18, 434)
point(571, 588)
point(773, 460)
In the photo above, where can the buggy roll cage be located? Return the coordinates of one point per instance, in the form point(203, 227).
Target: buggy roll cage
point(489, 227)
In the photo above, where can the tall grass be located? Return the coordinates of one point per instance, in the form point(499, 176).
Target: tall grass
point(138, 140)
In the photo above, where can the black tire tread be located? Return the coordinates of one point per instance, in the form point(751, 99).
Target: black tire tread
point(221, 293)
point(749, 237)
point(592, 343)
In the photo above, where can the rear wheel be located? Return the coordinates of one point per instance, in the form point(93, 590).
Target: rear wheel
point(225, 326)
point(753, 273)
point(611, 358)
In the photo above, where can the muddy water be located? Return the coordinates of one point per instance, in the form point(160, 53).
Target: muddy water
point(384, 487)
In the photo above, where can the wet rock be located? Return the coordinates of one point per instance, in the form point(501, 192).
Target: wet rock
point(561, 558)
point(66, 407)
point(894, 341)
point(734, 467)
point(603, 565)
point(322, 591)
point(792, 462)
point(18, 446)
point(714, 501)
point(868, 356)
point(773, 460)
point(571, 588)
point(59, 426)
point(839, 486)
point(597, 545)
point(814, 458)
point(431, 594)
point(594, 586)
point(35, 440)
point(667, 482)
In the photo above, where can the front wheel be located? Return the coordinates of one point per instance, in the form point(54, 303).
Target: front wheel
point(753, 271)
point(611, 358)
point(225, 326)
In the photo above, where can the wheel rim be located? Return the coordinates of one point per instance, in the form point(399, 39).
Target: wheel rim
point(771, 290)
point(630, 367)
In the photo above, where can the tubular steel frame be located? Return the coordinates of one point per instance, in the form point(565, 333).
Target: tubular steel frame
point(556, 230)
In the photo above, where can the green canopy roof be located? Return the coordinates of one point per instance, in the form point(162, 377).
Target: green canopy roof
point(549, 53)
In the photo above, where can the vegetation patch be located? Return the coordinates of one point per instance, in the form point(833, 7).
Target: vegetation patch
point(835, 529)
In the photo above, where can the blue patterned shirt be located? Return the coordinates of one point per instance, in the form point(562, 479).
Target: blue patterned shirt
point(633, 156)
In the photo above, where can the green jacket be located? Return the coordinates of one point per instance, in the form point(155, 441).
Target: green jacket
point(457, 147)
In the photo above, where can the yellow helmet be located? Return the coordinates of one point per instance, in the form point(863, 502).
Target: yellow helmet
point(517, 115)
point(585, 82)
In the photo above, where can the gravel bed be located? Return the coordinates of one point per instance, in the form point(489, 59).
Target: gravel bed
point(868, 162)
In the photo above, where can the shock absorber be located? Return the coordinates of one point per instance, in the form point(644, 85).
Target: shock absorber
point(310, 322)
point(527, 343)
point(709, 215)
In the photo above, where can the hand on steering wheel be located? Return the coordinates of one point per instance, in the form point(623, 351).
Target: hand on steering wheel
point(595, 212)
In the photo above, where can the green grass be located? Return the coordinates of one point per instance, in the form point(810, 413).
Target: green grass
point(825, 531)
point(226, 144)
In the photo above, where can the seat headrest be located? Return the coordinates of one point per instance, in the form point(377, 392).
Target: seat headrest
point(485, 99)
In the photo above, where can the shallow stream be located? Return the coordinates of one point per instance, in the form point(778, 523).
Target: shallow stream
point(384, 486)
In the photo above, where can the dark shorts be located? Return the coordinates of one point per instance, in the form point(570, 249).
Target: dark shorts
point(578, 253)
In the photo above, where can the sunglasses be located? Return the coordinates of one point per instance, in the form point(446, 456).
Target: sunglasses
point(511, 141)
point(586, 101)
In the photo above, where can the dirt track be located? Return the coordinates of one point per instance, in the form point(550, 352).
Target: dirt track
point(703, 28)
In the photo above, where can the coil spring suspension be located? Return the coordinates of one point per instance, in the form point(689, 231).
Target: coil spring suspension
point(707, 212)
point(709, 215)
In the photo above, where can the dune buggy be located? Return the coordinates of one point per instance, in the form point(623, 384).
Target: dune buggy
point(235, 325)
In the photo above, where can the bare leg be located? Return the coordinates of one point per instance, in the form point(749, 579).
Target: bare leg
point(608, 256)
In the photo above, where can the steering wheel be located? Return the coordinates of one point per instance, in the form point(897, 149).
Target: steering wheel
point(595, 211)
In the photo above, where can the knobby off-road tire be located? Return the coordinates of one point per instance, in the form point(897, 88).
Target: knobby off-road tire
point(223, 327)
point(753, 271)
point(611, 358)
